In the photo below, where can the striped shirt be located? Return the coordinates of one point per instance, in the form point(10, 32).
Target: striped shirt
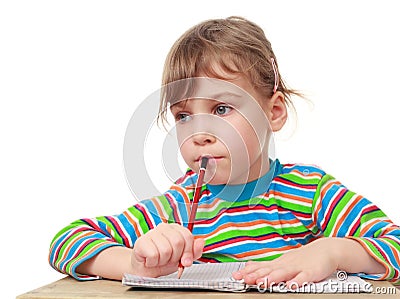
point(295, 205)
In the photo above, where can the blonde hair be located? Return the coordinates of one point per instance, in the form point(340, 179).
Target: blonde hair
point(235, 45)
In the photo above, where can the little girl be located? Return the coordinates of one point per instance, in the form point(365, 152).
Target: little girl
point(293, 223)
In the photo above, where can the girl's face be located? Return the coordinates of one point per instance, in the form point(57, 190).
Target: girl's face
point(226, 120)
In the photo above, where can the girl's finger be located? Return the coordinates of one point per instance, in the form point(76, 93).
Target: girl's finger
point(187, 255)
point(198, 247)
point(153, 256)
point(277, 276)
point(253, 277)
point(145, 249)
point(251, 267)
point(176, 243)
point(164, 249)
point(299, 280)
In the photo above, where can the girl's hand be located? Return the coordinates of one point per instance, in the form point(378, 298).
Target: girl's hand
point(159, 251)
point(310, 263)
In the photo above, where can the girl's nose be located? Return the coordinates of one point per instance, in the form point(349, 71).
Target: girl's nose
point(203, 139)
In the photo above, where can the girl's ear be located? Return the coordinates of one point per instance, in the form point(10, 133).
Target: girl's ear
point(276, 111)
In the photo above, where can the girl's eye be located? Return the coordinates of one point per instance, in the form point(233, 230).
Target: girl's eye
point(182, 117)
point(222, 109)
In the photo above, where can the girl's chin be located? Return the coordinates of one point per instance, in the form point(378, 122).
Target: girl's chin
point(217, 172)
point(215, 180)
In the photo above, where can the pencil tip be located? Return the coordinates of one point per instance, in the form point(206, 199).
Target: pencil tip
point(180, 272)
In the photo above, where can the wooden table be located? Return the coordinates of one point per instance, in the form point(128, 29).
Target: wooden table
point(68, 288)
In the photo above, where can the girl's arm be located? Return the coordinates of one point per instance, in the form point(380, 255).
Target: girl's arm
point(350, 255)
point(85, 239)
point(365, 239)
point(110, 263)
point(355, 236)
point(156, 253)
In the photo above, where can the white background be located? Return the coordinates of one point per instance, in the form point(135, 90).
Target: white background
point(72, 73)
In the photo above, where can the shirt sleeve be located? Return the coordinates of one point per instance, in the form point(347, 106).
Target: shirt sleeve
point(339, 212)
point(85, 238)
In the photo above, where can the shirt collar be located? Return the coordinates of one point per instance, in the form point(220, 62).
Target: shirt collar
point(248, 190)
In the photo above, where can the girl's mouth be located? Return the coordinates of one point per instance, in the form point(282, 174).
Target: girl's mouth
point(210, 157)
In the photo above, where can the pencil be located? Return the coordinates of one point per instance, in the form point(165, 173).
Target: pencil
point(193, 210)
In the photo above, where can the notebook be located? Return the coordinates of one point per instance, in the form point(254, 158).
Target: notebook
point(218, 277)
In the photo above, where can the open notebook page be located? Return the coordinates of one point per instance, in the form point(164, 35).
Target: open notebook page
point(213, 276)
point(218, 276)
